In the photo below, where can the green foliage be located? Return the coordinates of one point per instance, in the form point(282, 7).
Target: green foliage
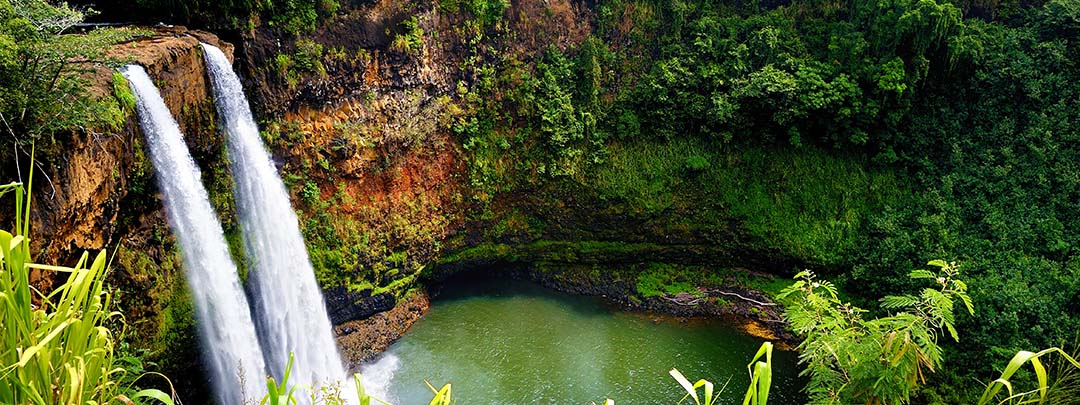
point(42, 71)
point(294, 16)
point(853, 360)
point(788, 74)
point(486, 12)
point(697, 163)
point(308, 57)
point(411, 40)
point(658, 280)
point(791, 199)
point(310, 194)
point(992, 150)
point(570, 135)
point(57, 347)
point(1040, 393)
point(524, 126)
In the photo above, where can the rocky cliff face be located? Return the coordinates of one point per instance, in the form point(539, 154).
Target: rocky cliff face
point(360, 115)
point(80, 201)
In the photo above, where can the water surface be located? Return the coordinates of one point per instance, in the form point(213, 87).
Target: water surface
point(509, 342)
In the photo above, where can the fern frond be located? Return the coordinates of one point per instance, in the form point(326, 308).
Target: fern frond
point(921, 274)
point(898, 301)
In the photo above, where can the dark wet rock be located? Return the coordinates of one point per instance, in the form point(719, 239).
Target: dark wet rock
point(343, 305)
point(362, 340)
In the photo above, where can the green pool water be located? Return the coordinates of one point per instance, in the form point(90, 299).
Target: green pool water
point(509, 342)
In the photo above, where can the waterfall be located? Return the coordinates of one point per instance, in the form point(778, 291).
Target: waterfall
point(290, 311)
point(228, 335)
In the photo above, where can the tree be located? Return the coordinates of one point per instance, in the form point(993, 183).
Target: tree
point(42, 67)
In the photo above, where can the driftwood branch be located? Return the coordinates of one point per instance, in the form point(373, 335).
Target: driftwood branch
point(764, 304)
point(689, 300)
point(679, 301)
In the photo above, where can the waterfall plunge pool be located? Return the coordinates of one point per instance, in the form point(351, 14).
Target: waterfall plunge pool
point(502, 341)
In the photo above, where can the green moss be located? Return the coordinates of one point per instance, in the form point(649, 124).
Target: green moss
point(235, 240)
point(122, 92)
point(486, 251)
point(166, 329)
point(111, 113)
point(658, 279)
point(397, 287)
point(807, 203)
point(176, 332)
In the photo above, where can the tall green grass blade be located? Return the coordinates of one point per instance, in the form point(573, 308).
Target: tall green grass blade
point(1037, 395)
point(29, 353)
point(151, 393)
point(760, 376)
point(689, 388)
point(1040, 376)
point(361, 394)
point(58, 269)
point(25, 229)
point(442, 396)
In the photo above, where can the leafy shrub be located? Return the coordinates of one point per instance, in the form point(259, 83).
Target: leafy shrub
point(697, 163)
point(44, 72)
point(853, 360)
point(310, 194)
point(411, 40)
point(309, 55)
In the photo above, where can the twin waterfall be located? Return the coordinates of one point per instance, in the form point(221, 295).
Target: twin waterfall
point(223, 314)
point(288, 309)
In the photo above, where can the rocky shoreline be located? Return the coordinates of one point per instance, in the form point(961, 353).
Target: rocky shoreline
point(752, 311)
point(362, 340)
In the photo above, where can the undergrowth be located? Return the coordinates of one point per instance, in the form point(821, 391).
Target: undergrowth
point(804, 201)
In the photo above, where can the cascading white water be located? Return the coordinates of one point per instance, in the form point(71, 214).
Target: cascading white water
point(228, 334)
point(290, 312)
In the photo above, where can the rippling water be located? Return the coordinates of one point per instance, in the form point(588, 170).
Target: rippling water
point(507, 342)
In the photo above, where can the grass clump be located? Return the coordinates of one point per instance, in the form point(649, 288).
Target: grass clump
point(58, 347)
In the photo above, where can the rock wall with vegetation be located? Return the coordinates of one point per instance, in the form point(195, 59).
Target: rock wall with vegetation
point(858, 139)
point(665, 150)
